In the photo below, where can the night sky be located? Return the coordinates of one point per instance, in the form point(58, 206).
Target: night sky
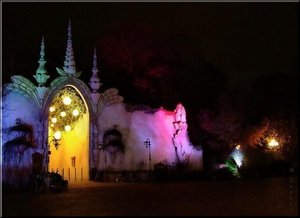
point(247, 52)
point(244, 39)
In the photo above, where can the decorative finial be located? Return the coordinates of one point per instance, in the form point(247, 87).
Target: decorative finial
point(41, 73)
point(42, 52)
point(69, 30)
point(69, 63)
point(95, 69)
point(95, 80)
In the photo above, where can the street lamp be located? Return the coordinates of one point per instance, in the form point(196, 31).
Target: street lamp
point(55, 138)
point(148, 145)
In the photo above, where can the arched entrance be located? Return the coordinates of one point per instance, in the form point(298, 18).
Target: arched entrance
point(68, 131)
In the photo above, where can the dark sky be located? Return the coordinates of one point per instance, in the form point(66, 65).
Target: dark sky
point(244, 39)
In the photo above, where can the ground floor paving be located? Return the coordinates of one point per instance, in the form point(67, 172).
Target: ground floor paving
point(272, 196)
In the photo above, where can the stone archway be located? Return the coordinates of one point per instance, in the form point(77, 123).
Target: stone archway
point(68, 131)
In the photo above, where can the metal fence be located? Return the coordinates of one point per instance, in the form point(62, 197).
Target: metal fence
point(70, 174)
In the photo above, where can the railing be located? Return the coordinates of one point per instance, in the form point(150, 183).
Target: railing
point(71, 175)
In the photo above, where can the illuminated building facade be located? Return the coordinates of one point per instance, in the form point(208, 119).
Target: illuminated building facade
point(78, 129)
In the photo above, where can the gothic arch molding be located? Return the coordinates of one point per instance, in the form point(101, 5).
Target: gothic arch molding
point(60, 83)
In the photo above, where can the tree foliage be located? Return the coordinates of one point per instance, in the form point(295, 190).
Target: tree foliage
point(279, 127)
point(142, 61)
point(222, 126)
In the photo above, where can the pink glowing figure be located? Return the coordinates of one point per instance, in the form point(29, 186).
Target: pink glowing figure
point(180, 129)
point(180, 114)
point(179, 123)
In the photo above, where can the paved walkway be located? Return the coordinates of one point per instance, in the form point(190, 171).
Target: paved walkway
point(277, 196)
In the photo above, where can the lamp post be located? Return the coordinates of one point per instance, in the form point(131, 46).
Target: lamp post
point(148, 145)
point(55, 138)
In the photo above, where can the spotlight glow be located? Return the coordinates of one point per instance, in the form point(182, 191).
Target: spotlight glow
point(57, 135)
point(68, 128)
point(273, 143)
point(238, 156)
point(67, 100)
point(51, 109)
point(54, 120)
point(63, 114)
point(75, 112)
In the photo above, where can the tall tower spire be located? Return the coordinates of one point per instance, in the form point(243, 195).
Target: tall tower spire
point(95, 80)
point(69, 63)
point(41, 73)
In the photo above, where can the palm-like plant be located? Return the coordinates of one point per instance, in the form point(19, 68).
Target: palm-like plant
point(21, 139)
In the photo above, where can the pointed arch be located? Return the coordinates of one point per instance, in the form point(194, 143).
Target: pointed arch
point(84, 157)
point(81, 87)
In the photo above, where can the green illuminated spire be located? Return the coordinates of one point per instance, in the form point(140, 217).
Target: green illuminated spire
point(41, 73)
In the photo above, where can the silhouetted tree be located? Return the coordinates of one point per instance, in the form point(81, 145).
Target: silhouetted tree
point(135, 61)
point(275, 93)
point(143, 61)
point(21, 139)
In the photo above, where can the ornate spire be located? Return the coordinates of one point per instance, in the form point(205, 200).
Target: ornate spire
point(95, 69)
point(69, 63)
point(42, 52)
point(41, 73)
point(95, 80)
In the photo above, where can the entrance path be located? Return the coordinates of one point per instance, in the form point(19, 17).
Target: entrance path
point(273, 196)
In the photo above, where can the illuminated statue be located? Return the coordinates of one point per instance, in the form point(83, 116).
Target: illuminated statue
point(180, 130)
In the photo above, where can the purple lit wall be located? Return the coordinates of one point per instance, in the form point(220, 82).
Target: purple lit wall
point(18, 106)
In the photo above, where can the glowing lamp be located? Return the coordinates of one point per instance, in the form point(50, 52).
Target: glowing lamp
point(67, 100)
point(51, 109)
point(238, 147)
point(273, 143)
point(63, 114)
point(68, 128)
point(75, 112)
point(54, 120)
point(57, 135)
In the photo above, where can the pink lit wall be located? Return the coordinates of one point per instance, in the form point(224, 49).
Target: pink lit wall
point(136, 127)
